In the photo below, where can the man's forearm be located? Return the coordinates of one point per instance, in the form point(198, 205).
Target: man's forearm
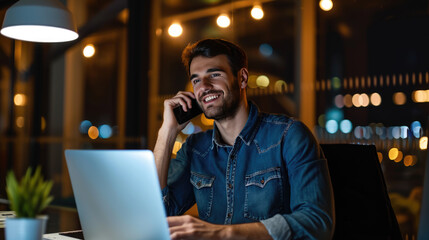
point(162, 151)
point(255, 230)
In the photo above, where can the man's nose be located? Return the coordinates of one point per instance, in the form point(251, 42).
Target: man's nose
point(206, 84)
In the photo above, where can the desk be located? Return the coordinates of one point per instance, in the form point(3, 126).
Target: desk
point(60, 219)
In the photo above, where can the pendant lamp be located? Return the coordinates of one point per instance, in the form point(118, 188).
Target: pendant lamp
point(39, 21)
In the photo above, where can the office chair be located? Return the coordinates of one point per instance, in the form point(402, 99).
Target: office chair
point(424, 211)
point(362, 205)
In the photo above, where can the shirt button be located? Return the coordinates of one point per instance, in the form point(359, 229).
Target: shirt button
point(229, 215)
point(262, 181)
point(230, 185)
point(199, 184)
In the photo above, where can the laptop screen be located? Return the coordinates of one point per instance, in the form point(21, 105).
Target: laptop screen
point(117, 194)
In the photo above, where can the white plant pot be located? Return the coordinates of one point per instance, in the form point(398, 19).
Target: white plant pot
point(25, 228)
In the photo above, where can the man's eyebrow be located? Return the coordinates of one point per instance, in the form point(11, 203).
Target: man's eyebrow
point(215, 70)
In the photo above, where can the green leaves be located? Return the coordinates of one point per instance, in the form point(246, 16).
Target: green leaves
point(31, 195)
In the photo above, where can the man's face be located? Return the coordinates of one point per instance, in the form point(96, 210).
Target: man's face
point(215, 86)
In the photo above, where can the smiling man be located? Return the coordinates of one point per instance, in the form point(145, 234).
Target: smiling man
point(254, 175)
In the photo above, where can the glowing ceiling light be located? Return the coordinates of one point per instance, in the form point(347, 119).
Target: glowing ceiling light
point(223, 21)
point(326, 5)
point(88, 50)
point(257, 12)
point(175, 30)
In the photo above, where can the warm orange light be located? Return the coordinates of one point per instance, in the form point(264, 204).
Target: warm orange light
point(393, 153)
point(20, 122)
point(223, 21)
point(348, 100)
point(93, 132)
point(326, 5)
point(423, 143)
point(375, 99)
point(399, 98)
point(175, 30)
point(89, 51)
point(20, 99)
point(257, 12)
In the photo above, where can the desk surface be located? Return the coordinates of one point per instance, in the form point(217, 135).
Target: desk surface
point(60, 219)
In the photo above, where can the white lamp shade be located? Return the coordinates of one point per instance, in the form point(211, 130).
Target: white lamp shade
point(39, 21)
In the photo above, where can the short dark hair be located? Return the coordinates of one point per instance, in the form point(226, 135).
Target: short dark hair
point(212, 48)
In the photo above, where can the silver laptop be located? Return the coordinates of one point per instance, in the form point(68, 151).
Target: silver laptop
point(117, 194)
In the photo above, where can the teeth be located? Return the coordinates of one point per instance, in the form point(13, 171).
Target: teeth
point(210, 98)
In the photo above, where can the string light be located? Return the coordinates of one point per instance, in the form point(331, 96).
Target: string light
point(223, 21)
point(326, 5)
point(257, 13)
point(175, 30)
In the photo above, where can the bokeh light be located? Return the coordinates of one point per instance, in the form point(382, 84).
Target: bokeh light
point(375, 99)
point(20, 99)
point(346, 126)
point(223, 21)
point(88, 51)
point(20, 122)
point(257, 13)
point(399, 98)
point(251, 81)
point(326, 5)
point(93, 132)
point(393, 153)
point(339, 101)
point(262, 81)
point(423, 143)
point(175, 30)
point(336, 83)
point(105, 131)
point(280, 86)
point(348, 100)
point(265, 49)
point(331, 126)
point(84, 126)
point(416, 128)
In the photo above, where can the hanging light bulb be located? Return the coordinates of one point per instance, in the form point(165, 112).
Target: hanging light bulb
point(257, 12)
point(326, 5)
point(175, 30)
point(39, 21)
point(89, 51)
point(223, 21)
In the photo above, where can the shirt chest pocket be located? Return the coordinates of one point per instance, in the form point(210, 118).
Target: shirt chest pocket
point(263, 194)
point(203, 191)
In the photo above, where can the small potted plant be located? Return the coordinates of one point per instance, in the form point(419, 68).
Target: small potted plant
point(27, 199)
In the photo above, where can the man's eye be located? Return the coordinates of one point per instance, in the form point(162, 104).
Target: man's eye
point(215, 75)
point(195, 81)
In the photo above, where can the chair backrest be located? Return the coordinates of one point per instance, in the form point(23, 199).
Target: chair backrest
point(362, 205)
point(424, 211)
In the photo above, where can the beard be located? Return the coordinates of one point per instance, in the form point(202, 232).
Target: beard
point(229, 106)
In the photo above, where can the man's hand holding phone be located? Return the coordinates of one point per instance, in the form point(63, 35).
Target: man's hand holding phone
point(180, 109)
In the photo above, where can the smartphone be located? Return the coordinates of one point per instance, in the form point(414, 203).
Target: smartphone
point(182, 116)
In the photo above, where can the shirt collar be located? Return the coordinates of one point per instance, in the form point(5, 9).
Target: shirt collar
point(249, 130)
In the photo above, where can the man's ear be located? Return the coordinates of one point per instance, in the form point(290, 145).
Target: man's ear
point(243, 75)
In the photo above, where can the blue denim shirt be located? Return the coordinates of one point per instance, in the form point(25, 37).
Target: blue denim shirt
point(274, 173)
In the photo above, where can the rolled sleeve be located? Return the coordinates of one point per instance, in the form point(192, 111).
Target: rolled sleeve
point(277, 227)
